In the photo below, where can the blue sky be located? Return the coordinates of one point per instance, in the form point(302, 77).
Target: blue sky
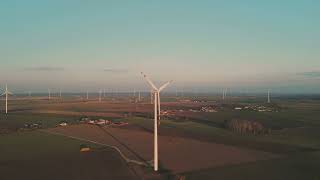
point(199, 44)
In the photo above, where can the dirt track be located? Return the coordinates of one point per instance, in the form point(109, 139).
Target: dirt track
point(175, 153)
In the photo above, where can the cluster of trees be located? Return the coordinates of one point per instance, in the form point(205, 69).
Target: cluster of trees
point(246, 127)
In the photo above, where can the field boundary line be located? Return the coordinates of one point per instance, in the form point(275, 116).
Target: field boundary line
point(102, 144)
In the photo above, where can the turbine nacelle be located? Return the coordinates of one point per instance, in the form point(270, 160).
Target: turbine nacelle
point(6, 92)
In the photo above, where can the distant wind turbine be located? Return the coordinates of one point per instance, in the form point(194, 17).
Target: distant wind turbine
point(87, 95)
point(223, 95)
point(269, 96)
point(156, 92)
point(100, 92)
point(49, 94)
point(139, 97)
point(6, 93)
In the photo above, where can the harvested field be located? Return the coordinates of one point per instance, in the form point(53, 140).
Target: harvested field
point(176, 154)
point(77, 113)
point(38, 156)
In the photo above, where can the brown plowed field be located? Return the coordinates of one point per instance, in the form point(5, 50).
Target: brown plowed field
point(175, 153)
point(77, 113)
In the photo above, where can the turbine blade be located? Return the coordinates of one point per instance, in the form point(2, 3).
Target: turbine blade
point(149, 81)
point(164, 85)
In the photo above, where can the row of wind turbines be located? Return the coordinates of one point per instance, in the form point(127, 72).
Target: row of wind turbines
point(224, 95)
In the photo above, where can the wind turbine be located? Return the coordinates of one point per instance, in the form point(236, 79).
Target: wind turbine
point(156, 91)
point(28, 93)
point(49, 94)
point(100, 95)
point(87, 95)
point(223, 94)
point(6, 93)
point(269, 96)
point(139, 97)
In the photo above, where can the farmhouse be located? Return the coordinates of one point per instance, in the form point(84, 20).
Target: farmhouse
point(91, 121)
point(84, 120)
point(63, 123)
point(102, 122)
point(208, 109)
point(32, 125)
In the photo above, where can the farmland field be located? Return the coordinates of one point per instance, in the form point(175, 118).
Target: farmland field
point(38, 155)
point(192, 144)
point(138, 145)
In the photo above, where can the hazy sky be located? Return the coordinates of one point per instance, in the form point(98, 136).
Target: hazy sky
point(203, 44)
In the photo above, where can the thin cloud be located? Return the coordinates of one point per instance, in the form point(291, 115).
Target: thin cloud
point(115, 70)
point(44, 68)
point(311, 74)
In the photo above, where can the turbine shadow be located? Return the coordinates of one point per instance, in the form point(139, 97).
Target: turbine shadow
point(124, 145)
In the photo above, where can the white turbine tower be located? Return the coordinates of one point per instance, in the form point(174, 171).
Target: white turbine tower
point(223, 94)
point(6, 93)
point(49, 94)
point(100, 92)
point(156, 91)
point(269, 96)
point(139, 97)
point(87, 95)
